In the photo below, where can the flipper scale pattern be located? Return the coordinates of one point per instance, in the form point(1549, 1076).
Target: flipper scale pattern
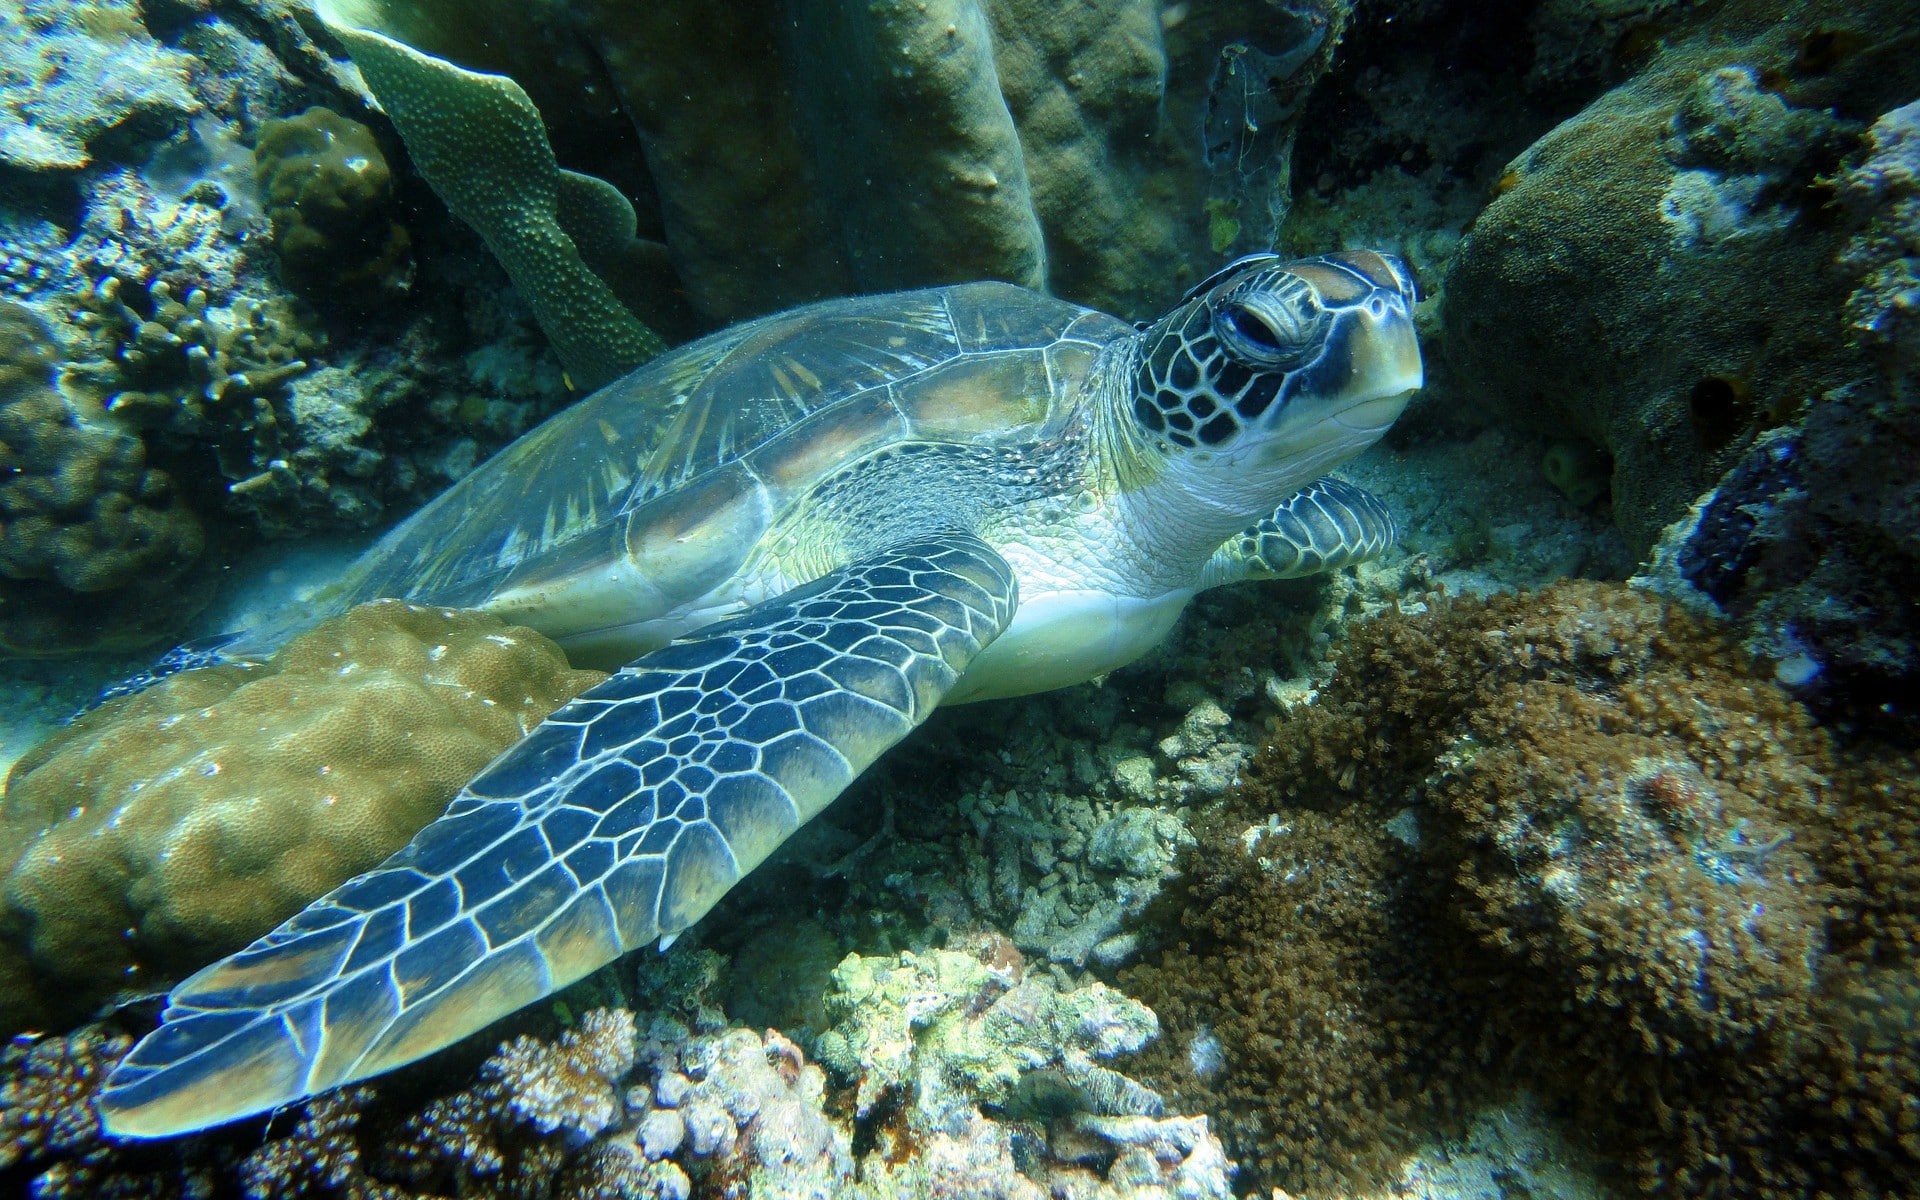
point(621, 819)
point(1327, 525)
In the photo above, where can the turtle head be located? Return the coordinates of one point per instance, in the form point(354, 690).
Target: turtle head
point(1277, 366)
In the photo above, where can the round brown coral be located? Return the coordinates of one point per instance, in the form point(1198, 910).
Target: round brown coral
point(330, 195)
point(163, 830)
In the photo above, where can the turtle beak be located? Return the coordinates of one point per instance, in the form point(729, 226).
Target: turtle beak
point(1384, 355)
point(1367, 371)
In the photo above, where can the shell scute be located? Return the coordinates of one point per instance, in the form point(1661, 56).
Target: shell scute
point(979, 397)
point(664, 480)
point(823, 441)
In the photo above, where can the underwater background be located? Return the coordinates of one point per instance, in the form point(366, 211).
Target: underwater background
point(1570, 849)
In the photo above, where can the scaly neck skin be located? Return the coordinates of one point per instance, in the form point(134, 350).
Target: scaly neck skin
point(1171, 510)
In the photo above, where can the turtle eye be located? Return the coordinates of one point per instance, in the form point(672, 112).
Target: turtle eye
point(1270, 335)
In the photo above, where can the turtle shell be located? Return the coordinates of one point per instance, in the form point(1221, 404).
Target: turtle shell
point(664, 481)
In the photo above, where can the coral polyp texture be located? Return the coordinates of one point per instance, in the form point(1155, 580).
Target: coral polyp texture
point(1568, 842)
point(165, 829)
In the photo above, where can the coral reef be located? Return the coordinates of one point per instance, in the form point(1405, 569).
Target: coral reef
point(50, 1133)
point(739, 1109)
point(512, 1132)
point(329, 194)
point(87, 527)
point(1542, 841)
point(141, 843)
point(70, 74)
point(270, 420)
point(620, 1106)
point(936, 1042)
point(1884, 192)
point(1667, 244)
point(178, 362)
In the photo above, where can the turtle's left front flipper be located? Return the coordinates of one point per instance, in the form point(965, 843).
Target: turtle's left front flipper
point(621, 819)
point(1327, 525)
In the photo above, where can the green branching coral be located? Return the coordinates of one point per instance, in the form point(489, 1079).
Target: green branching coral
point(165, 357)
point(81, 512)
point(1568, 842)
point(330, 196)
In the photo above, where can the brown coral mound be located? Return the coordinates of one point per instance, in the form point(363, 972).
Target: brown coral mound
point(1570, 835)
point(91, 538)
point(171, 827)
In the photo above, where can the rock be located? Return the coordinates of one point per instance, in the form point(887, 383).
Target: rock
point(1667, 249)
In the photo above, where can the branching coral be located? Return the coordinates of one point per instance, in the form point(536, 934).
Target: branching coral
point(513, 1131)
point(50, 1132)
point(321, 1158)
point(170, 827)
point(46, 1101)
point(1565, 841)
point(176, 361)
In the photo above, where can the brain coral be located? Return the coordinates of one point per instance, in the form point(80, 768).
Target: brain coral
point(168, 828)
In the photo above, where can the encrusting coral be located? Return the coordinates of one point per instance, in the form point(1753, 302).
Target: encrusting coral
point(167, 828)
point(1570, 842)
point(72, 73)
point(1813, 541)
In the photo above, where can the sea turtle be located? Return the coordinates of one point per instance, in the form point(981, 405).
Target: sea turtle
point(799, 535)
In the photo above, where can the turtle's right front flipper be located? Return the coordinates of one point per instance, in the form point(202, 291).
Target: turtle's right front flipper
point(621, 819)
point(1327, 525)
